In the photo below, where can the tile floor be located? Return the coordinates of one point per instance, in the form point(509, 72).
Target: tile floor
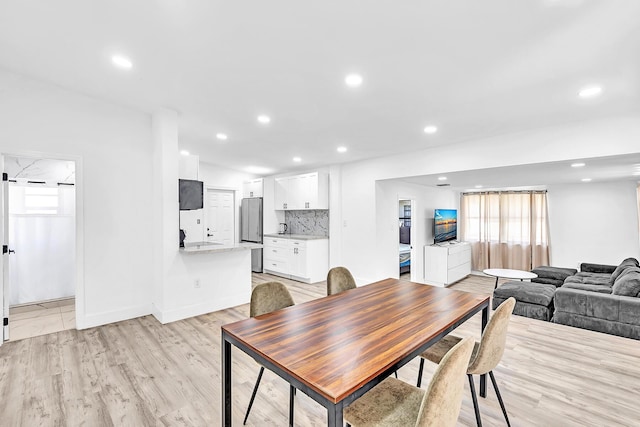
point(40, 319)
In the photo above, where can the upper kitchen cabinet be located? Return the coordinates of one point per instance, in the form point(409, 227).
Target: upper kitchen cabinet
point(253, 188)
point(314, 190)
point(286, 193)
point(302, 192)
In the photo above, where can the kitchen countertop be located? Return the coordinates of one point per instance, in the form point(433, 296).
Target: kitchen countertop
point(203, 247)
point(296, 236)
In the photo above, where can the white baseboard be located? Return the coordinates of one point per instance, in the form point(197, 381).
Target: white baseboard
point(98, 319)
point(173, 315)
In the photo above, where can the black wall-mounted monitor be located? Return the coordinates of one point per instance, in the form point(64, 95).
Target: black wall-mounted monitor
point(190, 194)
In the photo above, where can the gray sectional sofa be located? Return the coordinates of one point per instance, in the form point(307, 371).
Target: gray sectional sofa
point(601, 298)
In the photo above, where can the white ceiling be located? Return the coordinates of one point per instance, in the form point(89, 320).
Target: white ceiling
point(541, 175)
point(472, 68)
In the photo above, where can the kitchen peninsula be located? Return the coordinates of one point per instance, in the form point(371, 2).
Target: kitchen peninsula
point(208, 277)
point(204, 247)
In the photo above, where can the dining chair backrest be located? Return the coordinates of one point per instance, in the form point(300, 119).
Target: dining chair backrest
point(269, 296)
point(339, 279)
point(443, 399)
point(494, 338)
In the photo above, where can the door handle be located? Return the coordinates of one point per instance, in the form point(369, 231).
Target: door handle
point(11, 251)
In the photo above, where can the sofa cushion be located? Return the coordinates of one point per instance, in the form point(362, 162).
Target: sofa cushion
point(603, 289)
point(532, 293)
point(627, 263)
point(628, 283)
point(547, 272)
point(555, 282)
point(590, 278)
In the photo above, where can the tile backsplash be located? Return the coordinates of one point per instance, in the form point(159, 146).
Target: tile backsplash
point(312, 223)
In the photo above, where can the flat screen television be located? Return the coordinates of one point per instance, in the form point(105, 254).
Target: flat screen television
point(190, 194)
point(445, 225)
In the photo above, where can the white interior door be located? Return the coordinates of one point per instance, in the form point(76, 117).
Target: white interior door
point(220, 216)
point(4, 259)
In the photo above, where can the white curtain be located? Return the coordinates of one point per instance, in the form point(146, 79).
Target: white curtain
point(42, 233)
point(506, 229)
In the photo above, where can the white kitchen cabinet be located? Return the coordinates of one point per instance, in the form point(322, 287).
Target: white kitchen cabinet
point(276, 255)
point(301, 260)
point(314, 191)
point(253, 188)
point(446, 264)
point(302, 192)
point(287, 193)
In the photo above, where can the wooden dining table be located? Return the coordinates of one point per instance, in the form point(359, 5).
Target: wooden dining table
point(336, 348)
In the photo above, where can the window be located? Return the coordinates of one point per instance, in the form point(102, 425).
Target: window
point(506, 229)
point(38, 199)
point(41, 200)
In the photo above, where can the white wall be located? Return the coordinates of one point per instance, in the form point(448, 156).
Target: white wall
point(593, 222)
point(113, 148)
point(426, 200)
point(360, 242)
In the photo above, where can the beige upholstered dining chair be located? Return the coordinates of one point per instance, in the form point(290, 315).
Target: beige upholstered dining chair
point(486, 354)
point(339, 279)
point(265, 298)
point(395, 403)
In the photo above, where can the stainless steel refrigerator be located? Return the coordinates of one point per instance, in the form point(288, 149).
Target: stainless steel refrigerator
point(251, 228)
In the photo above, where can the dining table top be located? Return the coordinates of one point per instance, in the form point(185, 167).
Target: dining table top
point(337, 344)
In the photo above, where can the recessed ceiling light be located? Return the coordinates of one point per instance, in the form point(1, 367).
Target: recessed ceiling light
point(184, 152)
point(222, 136)
point(590, 92)
point(341, 149)
point(586, 180)
point(121, 61)
point(478, 186)
point(353, 80)
point(264, 119)
point(297, 159)
point(442, 178)
point(430, 129)
point(577, 165)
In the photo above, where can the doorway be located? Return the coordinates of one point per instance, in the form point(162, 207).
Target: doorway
point(220, 216)
point(405, 247)
point(39, 286)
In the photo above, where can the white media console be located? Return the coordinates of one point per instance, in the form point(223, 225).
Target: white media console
point(445, 264)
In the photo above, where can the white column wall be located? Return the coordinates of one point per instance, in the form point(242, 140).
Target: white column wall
point(164, 124)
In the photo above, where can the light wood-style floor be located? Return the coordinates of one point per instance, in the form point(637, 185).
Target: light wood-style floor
point(141, 373)
point(42, 318)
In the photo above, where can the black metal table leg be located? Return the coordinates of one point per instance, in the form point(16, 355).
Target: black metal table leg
point(334, 415)
point(483, 378)
point(226, 382)
point(496, 285)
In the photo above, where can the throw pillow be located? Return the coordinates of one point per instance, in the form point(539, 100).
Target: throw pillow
point(629, 262)
point(628, 284)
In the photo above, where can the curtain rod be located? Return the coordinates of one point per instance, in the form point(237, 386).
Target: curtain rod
point(44, 182)
point(505, 192)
